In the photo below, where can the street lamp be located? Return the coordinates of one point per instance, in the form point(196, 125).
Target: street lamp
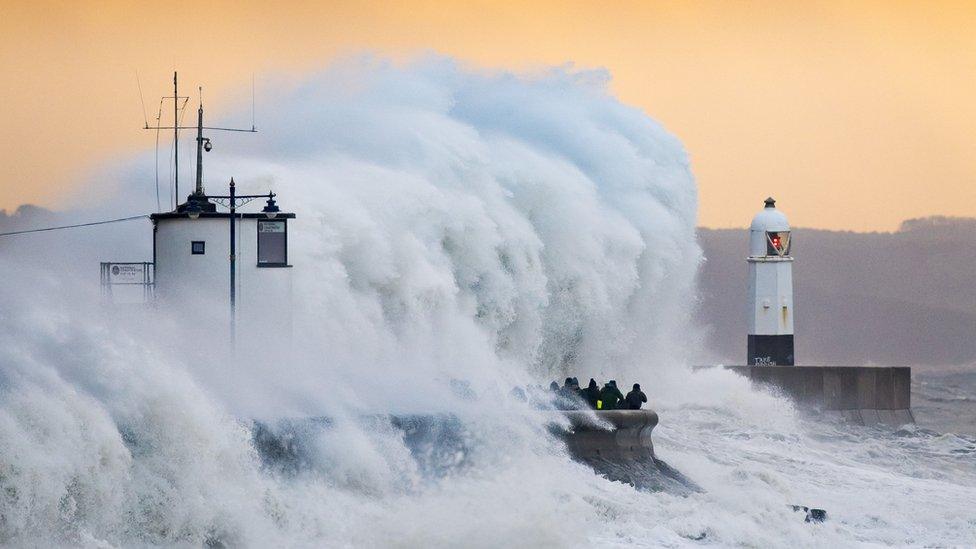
point(232, 201)
point(193, 209)
point(271, 209)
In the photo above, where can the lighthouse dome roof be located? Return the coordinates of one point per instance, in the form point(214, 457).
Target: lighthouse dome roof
point(770, 219)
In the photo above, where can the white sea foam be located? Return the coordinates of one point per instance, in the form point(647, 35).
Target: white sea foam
point(494, 228)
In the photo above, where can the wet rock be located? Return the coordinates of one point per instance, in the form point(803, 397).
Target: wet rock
point(812, 514)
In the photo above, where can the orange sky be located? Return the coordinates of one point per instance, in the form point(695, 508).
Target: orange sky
point(854, 116)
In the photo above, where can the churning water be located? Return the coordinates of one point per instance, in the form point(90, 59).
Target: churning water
point(453, 225)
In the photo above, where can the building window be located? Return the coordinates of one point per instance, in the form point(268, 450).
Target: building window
point(272, 243)
point(778, 243)
point(198, 247)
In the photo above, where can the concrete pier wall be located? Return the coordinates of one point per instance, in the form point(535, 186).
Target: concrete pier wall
point(861, 394)
point(615, 435)
point(617, 445)
point(621, 436)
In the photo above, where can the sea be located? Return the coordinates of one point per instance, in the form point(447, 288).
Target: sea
point(459, 232)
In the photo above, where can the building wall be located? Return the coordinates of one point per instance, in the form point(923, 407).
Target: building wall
point(201, 283)
point(771, 283)
point(181, 276)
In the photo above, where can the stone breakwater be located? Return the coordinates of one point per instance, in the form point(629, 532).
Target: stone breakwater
point(863, 395)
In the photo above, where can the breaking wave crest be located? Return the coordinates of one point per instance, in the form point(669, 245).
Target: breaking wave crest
point(454, 226)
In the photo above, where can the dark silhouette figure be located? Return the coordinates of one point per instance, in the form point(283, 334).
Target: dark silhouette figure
point(554, 387)
point(610, 395)
point(569, 395)
point(591, 394)
point(635, 398)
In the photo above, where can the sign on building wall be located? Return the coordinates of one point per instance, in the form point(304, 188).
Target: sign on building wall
point(272, 243)
point(127, 282)
point(271, 226)
point(127, 273)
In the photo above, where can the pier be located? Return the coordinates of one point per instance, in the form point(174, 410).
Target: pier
point(863, 395)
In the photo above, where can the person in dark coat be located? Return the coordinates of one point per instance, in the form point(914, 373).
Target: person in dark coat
point(569, 395)
point(610, 395)
point(591, 394)
point(635, 398)
point(554, 386)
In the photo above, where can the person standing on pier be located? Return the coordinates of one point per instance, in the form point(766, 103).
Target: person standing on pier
point(610, 395)
point(591, 394)
point(635, 398)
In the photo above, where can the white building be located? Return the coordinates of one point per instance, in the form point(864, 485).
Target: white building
point(193, 265)
point(770, 340)
point(225, 273)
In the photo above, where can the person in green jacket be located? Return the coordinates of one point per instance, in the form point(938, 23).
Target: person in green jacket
point(591, 394)
point(610, 395)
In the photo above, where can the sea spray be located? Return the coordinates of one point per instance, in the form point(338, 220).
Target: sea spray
point(454, 226)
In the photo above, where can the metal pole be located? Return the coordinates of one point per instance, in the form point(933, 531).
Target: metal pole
point(233, 266)
point(199, 190)
point(176, 141)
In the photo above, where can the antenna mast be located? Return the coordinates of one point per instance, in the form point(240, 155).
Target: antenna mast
point(200, 145)
point(176, 138)
point(203, 144)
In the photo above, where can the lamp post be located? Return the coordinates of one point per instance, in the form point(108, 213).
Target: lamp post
point(233, 200)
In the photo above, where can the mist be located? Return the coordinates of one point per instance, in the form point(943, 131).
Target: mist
point(453, 225)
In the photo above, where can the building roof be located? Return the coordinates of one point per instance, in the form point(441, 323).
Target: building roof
point(770, 219)
point(218, 215)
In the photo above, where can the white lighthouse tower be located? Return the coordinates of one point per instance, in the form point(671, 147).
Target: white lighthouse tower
point(770, 289)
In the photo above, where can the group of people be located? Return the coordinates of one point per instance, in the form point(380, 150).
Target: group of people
point(570, 396)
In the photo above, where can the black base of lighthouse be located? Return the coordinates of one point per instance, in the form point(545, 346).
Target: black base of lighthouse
point(770, 350)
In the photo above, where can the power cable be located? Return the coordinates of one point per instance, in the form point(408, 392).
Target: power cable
point(107, 221)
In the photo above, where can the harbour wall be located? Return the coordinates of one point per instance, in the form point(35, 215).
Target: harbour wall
point(612, 435)
point(615, 443)
point(860, 394)
point(616, 435)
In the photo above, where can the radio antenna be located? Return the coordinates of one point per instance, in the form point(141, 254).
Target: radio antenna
point(176, 138)
point(142, 100)
point(203, 143)
point(159, 114)
point(179, 102)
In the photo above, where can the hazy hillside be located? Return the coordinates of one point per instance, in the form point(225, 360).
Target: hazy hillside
point(907, 297)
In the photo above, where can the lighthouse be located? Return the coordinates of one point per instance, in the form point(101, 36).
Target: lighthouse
point(770, 339)
point(864, 395)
